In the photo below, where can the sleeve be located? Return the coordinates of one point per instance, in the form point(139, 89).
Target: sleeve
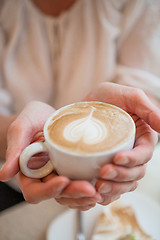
point(138, 56)
point(5, 99)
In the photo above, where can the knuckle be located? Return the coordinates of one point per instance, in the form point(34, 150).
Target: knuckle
point(122, 176)
point(16, 126)
point(138, 93)
point(133, 162)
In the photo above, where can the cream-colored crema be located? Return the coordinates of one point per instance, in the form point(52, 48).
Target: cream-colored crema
point(90, 127)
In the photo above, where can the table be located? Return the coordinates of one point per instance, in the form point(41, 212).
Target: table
point(30, 222)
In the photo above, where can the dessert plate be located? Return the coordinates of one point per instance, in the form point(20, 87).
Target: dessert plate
point(146, 209)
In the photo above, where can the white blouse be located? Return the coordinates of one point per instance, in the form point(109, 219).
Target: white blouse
point(59, 59)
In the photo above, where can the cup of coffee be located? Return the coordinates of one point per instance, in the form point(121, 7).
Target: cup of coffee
point(80, 138)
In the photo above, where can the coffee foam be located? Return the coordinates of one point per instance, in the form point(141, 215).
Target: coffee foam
point(90, 127)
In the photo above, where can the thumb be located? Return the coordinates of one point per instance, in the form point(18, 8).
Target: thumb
point(10, 167)
point(21, 133)
point(18, 139)
point(132, 100)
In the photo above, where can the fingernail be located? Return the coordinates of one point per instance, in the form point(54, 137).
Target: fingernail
point(95, 200)
point(134, 187)
point(122, 161)
point(104, 188)
point(110, 174)
point(101, 201)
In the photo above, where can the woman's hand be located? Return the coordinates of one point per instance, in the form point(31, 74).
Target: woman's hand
point(128, 166)
point(26, 129)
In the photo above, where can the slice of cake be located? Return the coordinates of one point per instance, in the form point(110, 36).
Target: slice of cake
point(118, 222)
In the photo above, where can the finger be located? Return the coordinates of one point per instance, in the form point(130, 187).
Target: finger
point(142, 152)
point(77, 189)
point(35, 191)
point(82, 208)
point(83, 201)
point(141, 105)
point(19, 137)
point(122, 174)
point(132, 100)
point(107, 199)
point(21, 133)
point(110, 188)
point(11, 166)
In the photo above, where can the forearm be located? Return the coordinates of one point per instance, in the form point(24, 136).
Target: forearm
point(5, 122)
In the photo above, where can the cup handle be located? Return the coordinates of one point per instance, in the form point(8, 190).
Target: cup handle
point(27, 153)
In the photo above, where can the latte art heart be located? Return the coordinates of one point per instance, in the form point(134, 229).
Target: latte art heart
point(89, 129)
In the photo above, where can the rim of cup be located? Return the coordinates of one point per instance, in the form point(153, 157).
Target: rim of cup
point(70, 152)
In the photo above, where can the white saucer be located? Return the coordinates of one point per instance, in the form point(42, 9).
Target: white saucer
point(147, 213)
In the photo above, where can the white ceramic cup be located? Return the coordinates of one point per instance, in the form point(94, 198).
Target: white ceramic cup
point(71, 164)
